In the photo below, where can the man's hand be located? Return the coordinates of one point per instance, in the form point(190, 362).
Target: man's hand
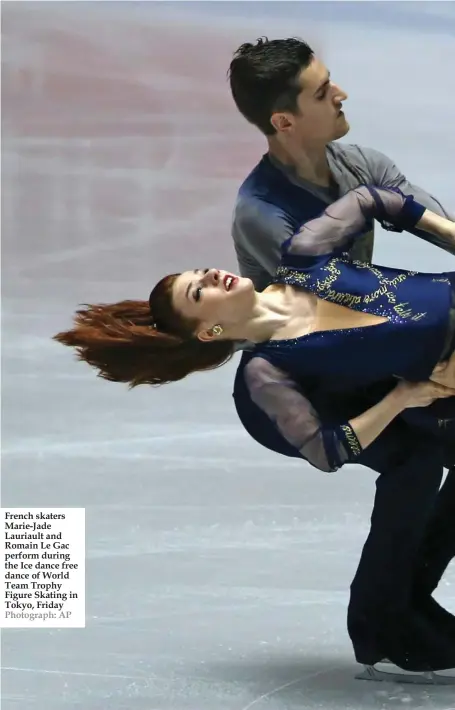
point(422, 394)
point(444, 373)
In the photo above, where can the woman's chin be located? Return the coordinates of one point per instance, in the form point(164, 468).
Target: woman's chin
point(245, 283)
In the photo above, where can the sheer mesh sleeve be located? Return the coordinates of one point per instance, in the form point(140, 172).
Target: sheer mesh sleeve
point(278, 396)
point(348, 217)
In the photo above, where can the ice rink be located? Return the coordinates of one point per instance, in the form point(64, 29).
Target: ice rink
point(217, 572)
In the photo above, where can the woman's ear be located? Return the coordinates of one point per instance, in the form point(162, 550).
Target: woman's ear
point(206, 336)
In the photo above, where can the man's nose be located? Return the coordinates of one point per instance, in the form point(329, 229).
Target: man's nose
point(338, 94)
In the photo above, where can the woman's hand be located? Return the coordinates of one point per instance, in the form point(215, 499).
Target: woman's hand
point(422, 394)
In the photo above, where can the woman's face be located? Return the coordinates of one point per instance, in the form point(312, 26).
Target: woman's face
point(213, 297)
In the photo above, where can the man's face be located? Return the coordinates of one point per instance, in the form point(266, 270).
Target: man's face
point(319, 118)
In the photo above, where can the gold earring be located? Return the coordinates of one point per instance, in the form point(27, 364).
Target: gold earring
point(217, 330)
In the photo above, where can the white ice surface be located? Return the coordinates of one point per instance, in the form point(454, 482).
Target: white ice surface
point(217, 572)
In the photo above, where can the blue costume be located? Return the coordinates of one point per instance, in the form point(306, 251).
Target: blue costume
point(391, 610)
point(417, 330)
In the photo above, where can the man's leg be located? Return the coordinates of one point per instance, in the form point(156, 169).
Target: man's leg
point(382, 620)
point(436, 553)
point(438, 548)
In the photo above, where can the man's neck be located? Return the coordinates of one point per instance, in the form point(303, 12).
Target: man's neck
point(308, 163)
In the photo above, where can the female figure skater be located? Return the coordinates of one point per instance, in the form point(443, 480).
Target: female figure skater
point(325, 318)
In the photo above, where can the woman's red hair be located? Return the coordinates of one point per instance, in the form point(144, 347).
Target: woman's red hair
point(142, 343)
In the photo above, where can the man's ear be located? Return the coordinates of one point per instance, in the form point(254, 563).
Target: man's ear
point(281, 121)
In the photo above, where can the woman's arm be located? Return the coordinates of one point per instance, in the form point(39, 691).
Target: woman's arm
point(351, 215)
point(437, 225)
point(385, 173)
point(405, 395)
point(328, 447)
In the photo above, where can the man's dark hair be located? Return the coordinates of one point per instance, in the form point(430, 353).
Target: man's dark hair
point(264, 78)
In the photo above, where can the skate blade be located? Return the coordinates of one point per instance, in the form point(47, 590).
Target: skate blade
point(428, 678)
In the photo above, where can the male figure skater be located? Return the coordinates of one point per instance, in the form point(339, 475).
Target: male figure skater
point(283, 89)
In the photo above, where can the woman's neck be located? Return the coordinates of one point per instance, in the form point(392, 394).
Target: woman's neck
point(272, 312)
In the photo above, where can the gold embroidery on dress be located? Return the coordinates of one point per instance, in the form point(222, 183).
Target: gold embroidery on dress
point(289, 274)
point(402, 311)
point(324, 290)
point(369, 298)
point(419, 316)
point(343, 299)
point(351, 439)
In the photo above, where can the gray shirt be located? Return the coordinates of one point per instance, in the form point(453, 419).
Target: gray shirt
point(261, 223)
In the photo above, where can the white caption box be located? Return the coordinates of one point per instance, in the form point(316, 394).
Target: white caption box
point(43, 567)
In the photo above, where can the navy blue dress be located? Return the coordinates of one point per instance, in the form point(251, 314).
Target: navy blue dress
point(419, 331)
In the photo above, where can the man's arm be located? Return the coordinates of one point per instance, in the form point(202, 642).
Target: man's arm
point(385, 173)
point(259, 230)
